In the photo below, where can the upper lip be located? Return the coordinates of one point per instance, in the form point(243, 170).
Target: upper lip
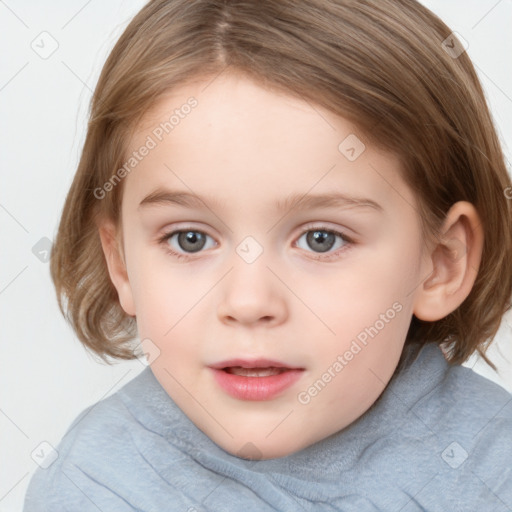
point(252, 363)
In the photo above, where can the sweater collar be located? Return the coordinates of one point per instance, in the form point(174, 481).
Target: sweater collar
point(417, 377)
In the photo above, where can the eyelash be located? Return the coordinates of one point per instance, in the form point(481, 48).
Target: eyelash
point(187, 256)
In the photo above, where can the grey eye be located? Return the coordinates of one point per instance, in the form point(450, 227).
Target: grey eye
point(189, 241)
point(321, 240)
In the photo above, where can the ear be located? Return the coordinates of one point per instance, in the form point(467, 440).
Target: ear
point(112, 249)
point(454, 263)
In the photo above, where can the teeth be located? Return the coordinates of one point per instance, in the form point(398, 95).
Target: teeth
point(255, 372)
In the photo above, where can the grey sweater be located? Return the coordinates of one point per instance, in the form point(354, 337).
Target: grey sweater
point(439, 438)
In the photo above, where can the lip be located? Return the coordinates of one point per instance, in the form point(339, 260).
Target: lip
point(252, 363)
point(255, 388)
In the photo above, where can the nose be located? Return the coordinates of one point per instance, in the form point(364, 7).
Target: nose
point(251, 294)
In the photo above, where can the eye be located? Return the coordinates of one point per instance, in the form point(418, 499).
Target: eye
point(323, 240)
point(188, 240)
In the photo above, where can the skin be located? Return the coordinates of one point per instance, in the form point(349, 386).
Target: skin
point(249, 147)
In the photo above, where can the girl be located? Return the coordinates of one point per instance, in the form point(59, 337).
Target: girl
point(336, 165)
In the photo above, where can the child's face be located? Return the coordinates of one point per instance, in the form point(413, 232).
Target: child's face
point(254, 285)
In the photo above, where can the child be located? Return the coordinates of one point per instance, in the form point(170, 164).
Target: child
point(280, 377)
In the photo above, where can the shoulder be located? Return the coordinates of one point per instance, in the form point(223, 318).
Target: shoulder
point(482, 414)
point(98, 452)
point(469, 419)
point(64, 482)
point(448, 438)
point(468, 404)
point(453, 396)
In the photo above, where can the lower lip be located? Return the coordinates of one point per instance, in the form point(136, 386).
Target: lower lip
point(256, 388)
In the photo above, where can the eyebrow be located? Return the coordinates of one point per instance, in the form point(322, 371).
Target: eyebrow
point(334, 199)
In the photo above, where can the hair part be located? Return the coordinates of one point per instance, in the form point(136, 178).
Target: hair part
point(378, 63)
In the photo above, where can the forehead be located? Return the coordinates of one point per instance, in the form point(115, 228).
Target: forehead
point(242, 140)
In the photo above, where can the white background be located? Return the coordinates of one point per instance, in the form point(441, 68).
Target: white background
point(47, 378)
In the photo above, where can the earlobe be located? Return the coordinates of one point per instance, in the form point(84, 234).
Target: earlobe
point(116, 266)
point(453, 264)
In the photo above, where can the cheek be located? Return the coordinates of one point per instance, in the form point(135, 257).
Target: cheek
point(166, 296)
point(368, 305)
point(372, 281)
point(153, 290)
point(389, 270)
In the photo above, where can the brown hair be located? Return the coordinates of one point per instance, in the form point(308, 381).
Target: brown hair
point(381, 64)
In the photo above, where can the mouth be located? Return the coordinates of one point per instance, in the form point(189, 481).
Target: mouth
point(254, 372)
point(253, 364)
point(260, 379)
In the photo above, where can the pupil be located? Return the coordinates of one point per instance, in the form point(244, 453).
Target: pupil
point(188, 240)
point(321, 237)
